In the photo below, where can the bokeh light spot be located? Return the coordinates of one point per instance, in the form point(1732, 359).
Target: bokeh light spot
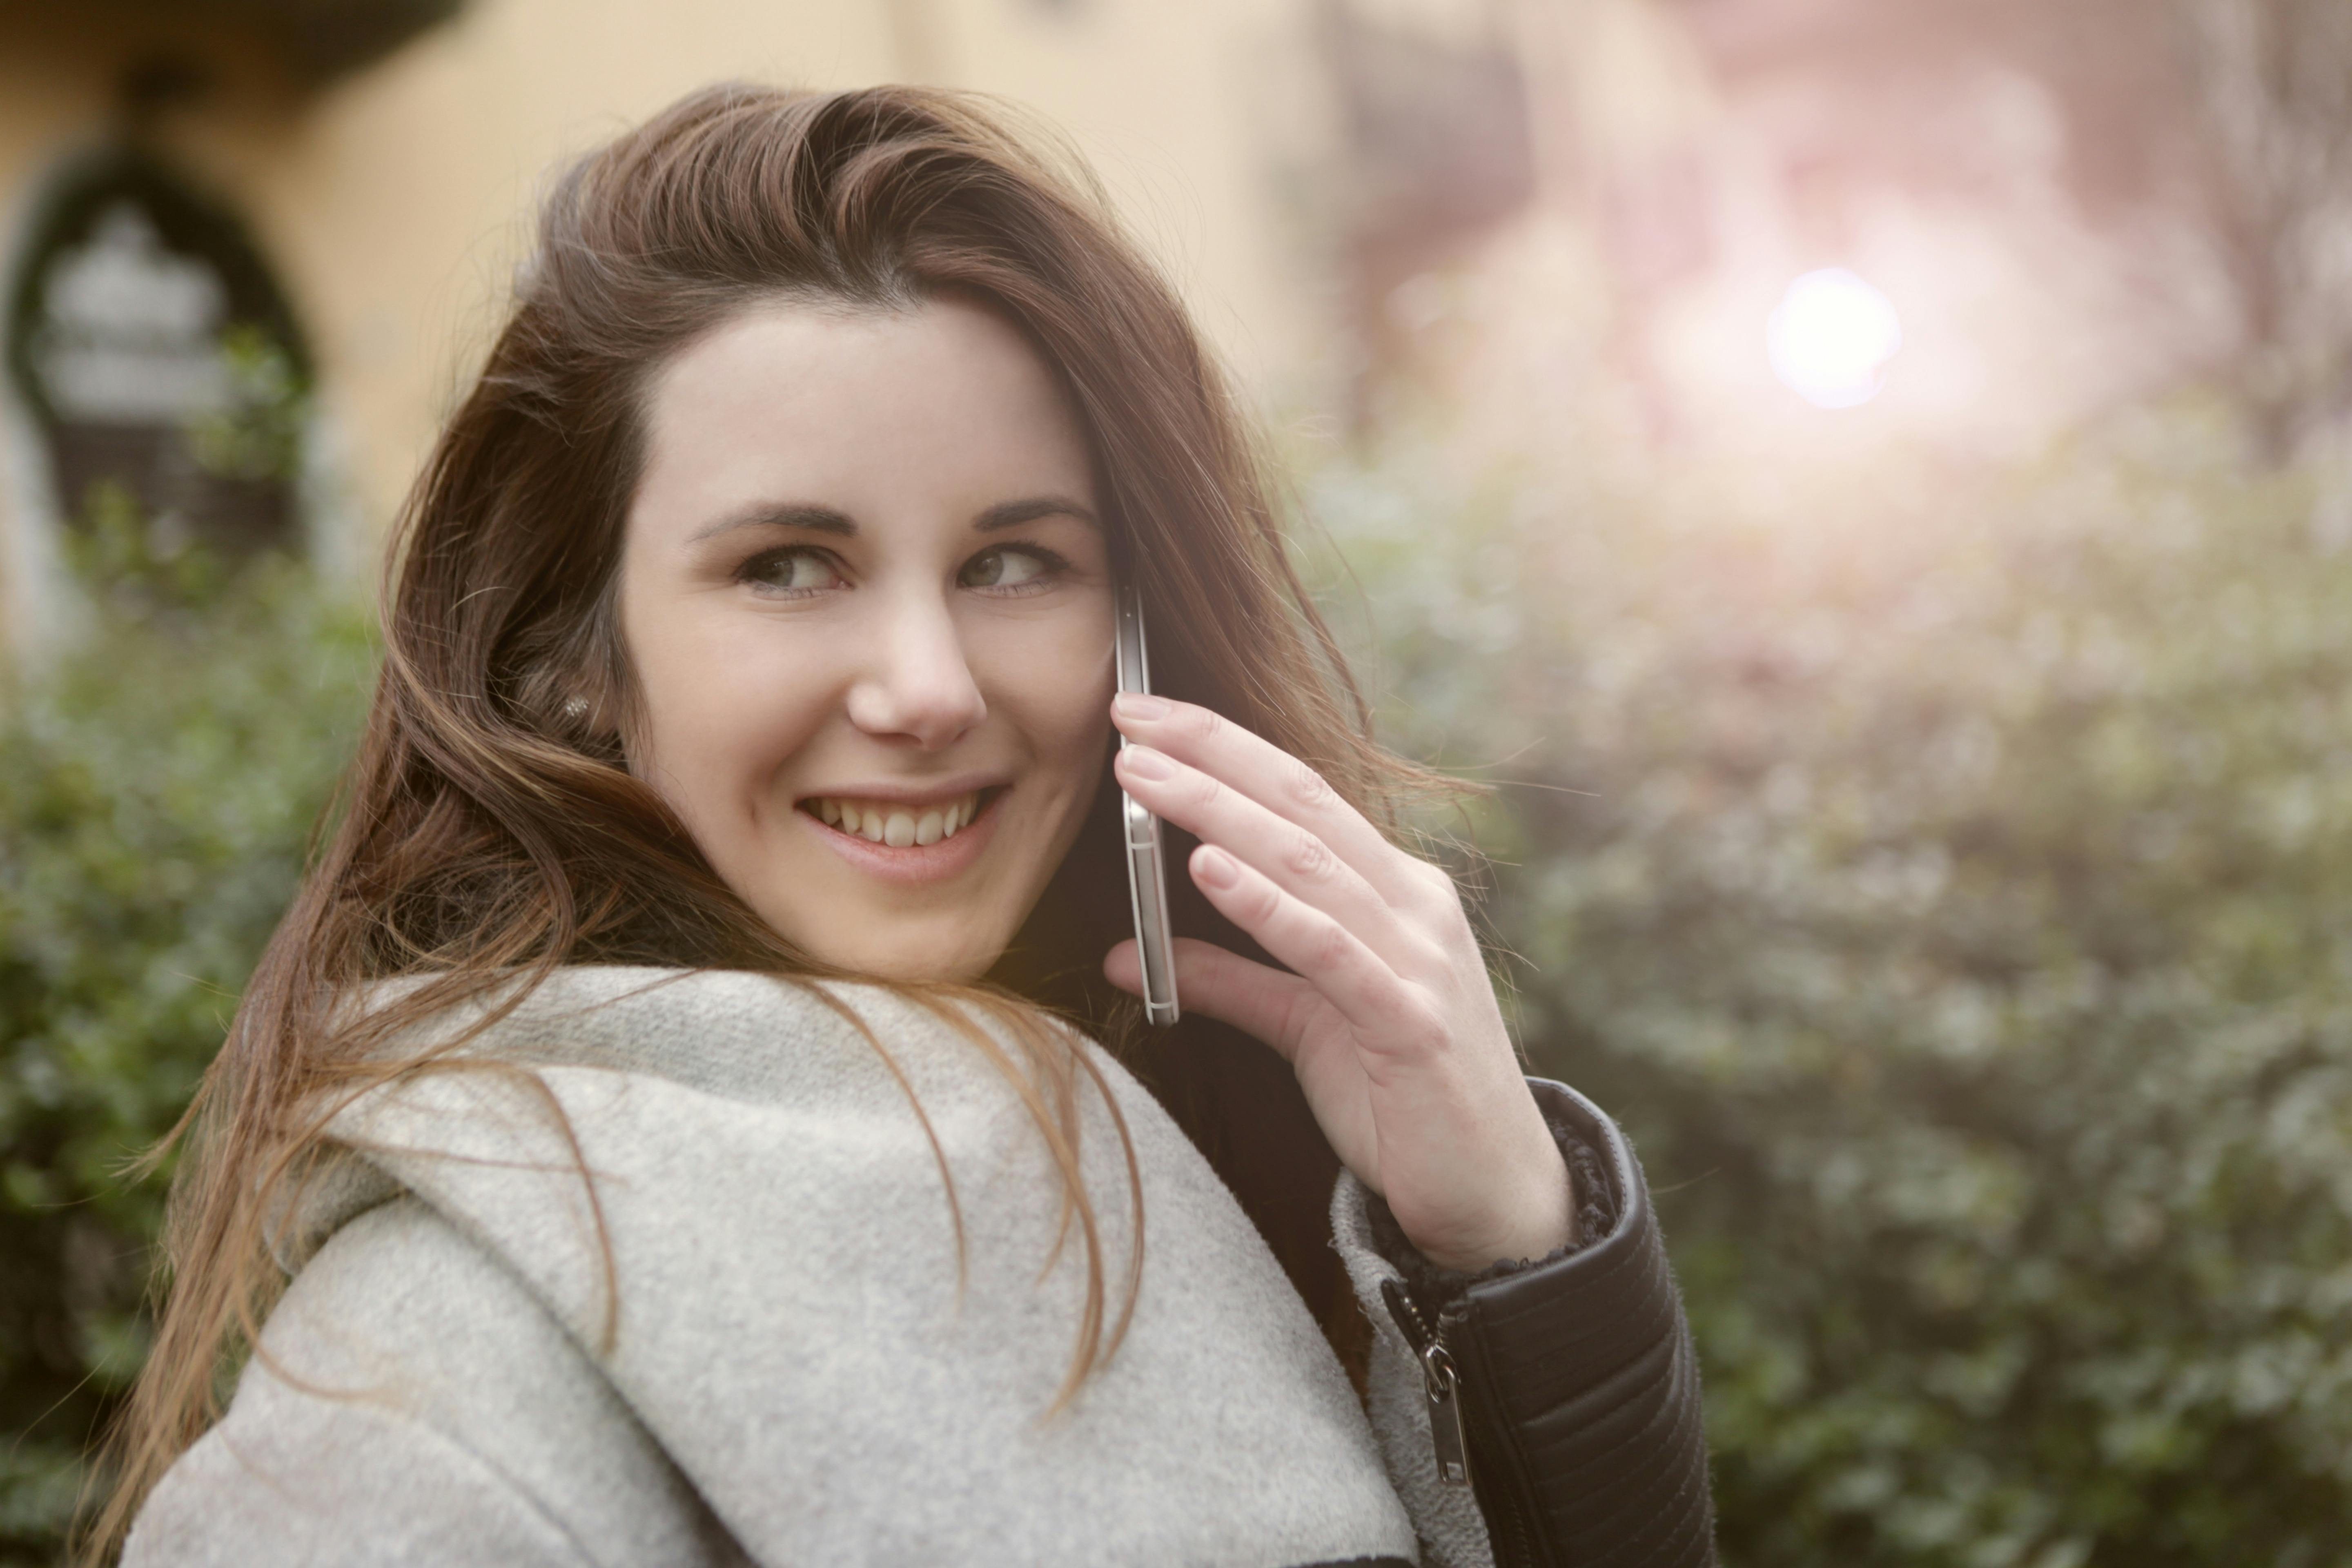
point(1830, 338)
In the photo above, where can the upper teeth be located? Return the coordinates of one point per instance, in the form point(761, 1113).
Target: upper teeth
point(896, 824)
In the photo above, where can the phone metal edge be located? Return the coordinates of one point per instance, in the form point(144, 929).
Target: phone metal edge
point(1146, 877)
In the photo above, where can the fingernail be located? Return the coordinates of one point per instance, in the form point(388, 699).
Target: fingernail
point(1146, 764)
point(1214, 867)
point(1139, 705)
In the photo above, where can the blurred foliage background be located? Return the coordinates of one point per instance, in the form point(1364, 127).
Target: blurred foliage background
point(1943, 872)
point(158, 788)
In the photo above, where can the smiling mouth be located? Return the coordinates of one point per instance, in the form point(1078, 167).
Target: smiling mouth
point(897, 823)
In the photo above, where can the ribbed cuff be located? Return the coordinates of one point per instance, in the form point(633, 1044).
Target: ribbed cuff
point(1433, 1287)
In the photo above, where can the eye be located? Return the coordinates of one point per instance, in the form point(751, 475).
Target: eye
point(801, 569)
point(1013, 568)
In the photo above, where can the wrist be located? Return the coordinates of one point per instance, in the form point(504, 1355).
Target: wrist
point(1538, 1219)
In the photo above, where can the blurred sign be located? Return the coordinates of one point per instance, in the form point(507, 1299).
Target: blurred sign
point(161, 359)
point(131, 333)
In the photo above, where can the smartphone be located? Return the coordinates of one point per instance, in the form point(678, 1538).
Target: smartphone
point(1147, 866)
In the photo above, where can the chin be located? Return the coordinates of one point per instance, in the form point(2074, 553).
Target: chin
point(917, 950)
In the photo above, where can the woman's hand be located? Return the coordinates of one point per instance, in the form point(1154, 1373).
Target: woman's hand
point(1390, 1019)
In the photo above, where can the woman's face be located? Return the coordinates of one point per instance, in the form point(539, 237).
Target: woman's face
point(867, 600)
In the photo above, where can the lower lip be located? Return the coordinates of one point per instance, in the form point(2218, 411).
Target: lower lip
point(914, 862)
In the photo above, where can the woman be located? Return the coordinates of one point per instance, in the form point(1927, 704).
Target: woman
point(648, 1095)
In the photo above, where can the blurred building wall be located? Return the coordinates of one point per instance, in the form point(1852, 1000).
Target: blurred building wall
point(1587, 203)
point(391, 200)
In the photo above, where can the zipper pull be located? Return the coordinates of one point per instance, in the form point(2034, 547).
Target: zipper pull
point(1444, 1388)
point(1439, 1381)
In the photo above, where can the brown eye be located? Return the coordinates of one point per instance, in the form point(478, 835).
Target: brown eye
point(1008, 566)
point(797, 571)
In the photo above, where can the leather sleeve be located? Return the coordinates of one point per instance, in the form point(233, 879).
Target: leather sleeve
point(1579, 1382)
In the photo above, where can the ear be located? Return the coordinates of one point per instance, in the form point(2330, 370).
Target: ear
point(569, 705)
point(587, 716)
point(571, 688)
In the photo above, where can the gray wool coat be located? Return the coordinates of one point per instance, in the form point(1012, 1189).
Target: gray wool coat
point(787, 1362)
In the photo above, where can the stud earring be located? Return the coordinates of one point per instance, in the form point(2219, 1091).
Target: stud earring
point(575, 708)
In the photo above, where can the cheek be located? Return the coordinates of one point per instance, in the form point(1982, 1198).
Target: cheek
point(1054, 683)
point(720, 706)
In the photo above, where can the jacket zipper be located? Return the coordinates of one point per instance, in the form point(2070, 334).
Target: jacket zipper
point(1451, 1430)
point(1441, 1384)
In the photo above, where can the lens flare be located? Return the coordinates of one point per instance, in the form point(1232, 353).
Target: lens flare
point(1830, 338)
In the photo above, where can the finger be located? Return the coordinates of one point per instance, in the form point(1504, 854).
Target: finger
point(1271, 776)
point(1321, 951)
point(1296, 860)
point(1257, 1000)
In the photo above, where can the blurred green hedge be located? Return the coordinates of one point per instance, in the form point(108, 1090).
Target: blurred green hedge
point(1946, 876)
point(158, 785)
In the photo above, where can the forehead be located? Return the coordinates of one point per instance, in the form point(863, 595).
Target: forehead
point(944, 403)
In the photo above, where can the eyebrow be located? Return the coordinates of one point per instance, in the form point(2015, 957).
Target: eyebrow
point(830, 520)
point(818, 519)
point(1013, 513)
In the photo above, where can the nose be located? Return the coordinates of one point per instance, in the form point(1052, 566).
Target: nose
point(916, 684)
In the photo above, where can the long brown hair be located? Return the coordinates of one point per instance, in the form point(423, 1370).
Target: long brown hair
point(489, 832)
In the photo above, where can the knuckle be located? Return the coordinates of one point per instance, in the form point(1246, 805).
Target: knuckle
point(1202, 723)
point(1332, 948)
point(1263, 900)
point(1309, 857)
point(1424, 956)
point(1308, 786)
point(1436, 893)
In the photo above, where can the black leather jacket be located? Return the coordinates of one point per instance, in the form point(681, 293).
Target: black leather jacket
point(1576, 1383)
